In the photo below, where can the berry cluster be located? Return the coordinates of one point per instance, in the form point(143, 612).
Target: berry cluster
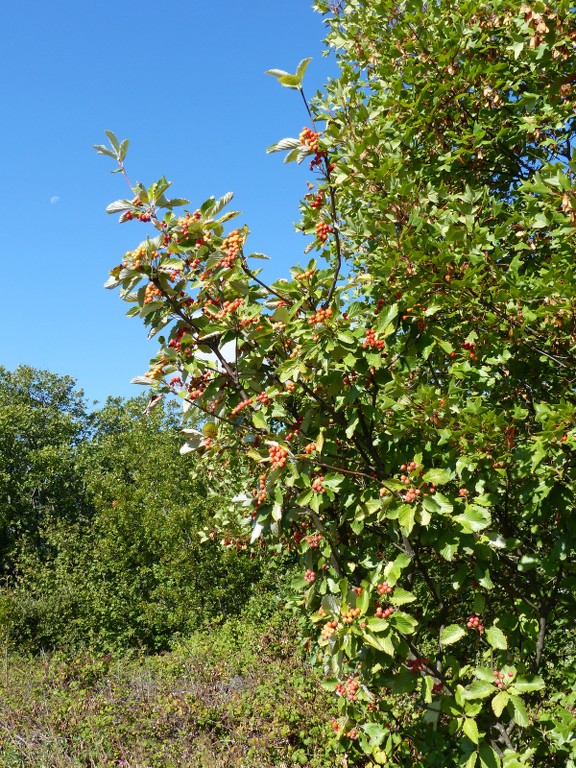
point(323, 230)
point(176, 381)
point(413, 492)
point(241, 405)
point(196, 386)
point(318, 201)
point(348, 689)
point(317, 484)
point(349, 615)
point(313, 540)
point(310, 448)
point(417, 664)
point(328, 630)
point(261, 492)
point(379, 306)
point(384, 613)
point(187, 225)
point(157, 372)
point(474, 623)
point(228, 307)
point(176, 342)
point(134, 259)
point(305, 275)
point(499, 678)
point(470, 347)
point(317, 159)
point(310, 576)
point(320, 316)
point(309, 138)
point(264, 398)
point(372, 341)
point(152, 294)
point(385, 588)
point(278, 456)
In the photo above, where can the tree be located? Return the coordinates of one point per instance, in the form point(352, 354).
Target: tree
point(134, 572)
point(408, 404)
point(42, 421)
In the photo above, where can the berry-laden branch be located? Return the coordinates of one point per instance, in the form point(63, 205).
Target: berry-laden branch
point(405, 420)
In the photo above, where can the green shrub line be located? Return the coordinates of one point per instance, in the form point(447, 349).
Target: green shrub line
point(236, 695)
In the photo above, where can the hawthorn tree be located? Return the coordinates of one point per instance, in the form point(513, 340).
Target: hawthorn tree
point(407, 399)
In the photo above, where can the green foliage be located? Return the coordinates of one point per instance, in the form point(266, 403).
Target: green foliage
point(241, 695)
point(42, 420)
point(132, 570)
point(407, 400)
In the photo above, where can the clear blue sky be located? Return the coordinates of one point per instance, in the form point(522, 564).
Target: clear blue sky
point(184, 81)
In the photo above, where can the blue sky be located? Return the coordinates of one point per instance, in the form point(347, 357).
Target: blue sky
point(184, 81)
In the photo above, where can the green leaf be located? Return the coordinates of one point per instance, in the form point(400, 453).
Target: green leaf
point(496, 638)
point(259, 421)
point(284, 144)
point(363, 600)
point(479, 689)
point(474, 519)
point(381, 643)
point(499, 702)
point(113, 140)
point(488, 757)
point(407, 517)
point(302, 67)
point(520, 714)
point(401, 596)
point(437, 476)
point(471, 761)
point(403, 622)
point(452, 634)
point(527, 683)
point(276, 72)
point(289, 81)
point(471, 729)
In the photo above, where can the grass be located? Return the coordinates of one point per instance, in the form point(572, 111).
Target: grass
point(230, 697)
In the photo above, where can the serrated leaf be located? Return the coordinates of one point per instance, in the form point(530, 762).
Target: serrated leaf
point(123, 150)
point(119, 205)
point(437, 476)
point(102, 150)
point(403, 622)
point(452, 634)
point(496, 638)
point(383, 643)
point(526, 683)
point(499, 702)
point(479, 689)
point(302, 67)
point(401, 596)
point(284, 144)
point(276, 72)
point(113, 140)
point(259, 421)
point(488, 757)
point(471, 729)
point(112, 282)
point(520, 713)
point(289, 81)
point(474, 519)
point(407, 518)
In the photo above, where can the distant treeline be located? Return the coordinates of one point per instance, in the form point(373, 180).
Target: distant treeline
point(100, 521)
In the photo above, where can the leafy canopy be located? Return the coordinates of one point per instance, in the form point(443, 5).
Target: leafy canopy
point(406, 399)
